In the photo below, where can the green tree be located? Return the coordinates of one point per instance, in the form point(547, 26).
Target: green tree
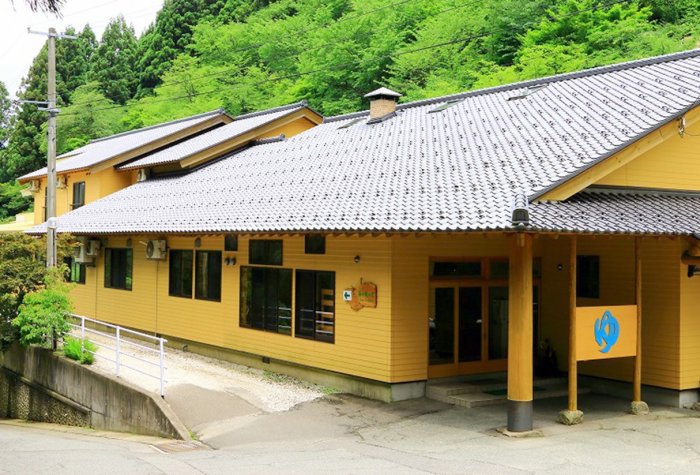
point(169, 36)
point(73, 59)
point(42, 316)
point(11, 200)
point(114, 61)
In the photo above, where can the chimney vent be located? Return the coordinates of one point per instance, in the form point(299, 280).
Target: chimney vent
point(382, 103)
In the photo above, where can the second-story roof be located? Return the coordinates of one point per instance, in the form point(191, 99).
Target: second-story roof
point(103, 149)
point(454, 163)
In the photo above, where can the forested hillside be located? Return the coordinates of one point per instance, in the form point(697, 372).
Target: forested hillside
point(246, 55)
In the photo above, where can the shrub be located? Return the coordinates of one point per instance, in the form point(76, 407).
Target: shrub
point(43, 313)
point(79, 350)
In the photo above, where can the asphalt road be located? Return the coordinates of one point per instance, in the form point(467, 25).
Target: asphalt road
point(350, 435)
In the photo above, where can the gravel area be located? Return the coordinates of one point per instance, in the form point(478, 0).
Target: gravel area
point(270, 392)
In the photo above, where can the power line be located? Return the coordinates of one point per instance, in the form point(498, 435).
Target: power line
point(295, 54)
point(333, 67)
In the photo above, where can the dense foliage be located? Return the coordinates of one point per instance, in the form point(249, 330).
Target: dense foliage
point(79, 350)
point(22, 271)
point(43, 314)
point(246, 55)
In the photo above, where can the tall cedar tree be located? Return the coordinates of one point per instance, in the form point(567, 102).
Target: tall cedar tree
point(169, 37)
point(26, 149)
point(114, 61)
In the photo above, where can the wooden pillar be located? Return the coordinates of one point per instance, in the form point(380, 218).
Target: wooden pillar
point(520, 334)
point(573, 370)
point(637, 380)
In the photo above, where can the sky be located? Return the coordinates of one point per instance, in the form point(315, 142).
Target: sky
point(18, 48)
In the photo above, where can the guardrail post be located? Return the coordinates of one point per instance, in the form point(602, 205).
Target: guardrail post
point(162, 369)
point(116, 359)
point(82, 335)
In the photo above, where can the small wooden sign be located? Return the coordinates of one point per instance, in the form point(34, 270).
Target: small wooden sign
point(606, 332)
point(360, 297)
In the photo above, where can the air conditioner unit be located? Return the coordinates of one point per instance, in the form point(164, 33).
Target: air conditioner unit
point(142, 175)
point(34, 186)
point(93, 248)
point(156, 249)
point(61, 182)
point(80, 254)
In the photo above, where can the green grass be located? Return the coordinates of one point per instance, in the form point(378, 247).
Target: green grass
point(78, 350)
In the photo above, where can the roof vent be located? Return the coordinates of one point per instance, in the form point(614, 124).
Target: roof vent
point(520, 217)
point(382, 103)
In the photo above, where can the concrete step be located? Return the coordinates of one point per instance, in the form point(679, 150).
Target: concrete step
point(481, 399)
point(443, 391)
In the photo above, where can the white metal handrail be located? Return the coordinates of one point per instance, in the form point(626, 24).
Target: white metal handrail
point(119, 352)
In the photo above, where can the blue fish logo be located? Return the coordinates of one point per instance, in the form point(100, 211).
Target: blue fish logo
point(607, 331)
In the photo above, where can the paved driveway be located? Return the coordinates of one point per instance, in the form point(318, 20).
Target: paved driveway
point(344, 434)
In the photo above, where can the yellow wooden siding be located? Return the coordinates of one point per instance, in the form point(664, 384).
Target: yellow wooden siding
point(670, 165)
point(690, 329)
point(291, 129)
point(361, 345)
point(660, 304)
point(410, 289)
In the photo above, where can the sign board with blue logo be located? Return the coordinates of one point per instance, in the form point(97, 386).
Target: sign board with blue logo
point(606, 332)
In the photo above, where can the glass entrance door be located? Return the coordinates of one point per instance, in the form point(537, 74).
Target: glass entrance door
point(456, 326)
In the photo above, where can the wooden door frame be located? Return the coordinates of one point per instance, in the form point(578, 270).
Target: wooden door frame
point(484, 281)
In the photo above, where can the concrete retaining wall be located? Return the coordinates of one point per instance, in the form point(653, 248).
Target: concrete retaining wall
point(37, 384)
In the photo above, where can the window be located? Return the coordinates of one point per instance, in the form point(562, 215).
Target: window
point(315, 244)
point(455, 269)
point(588, 277)
point(231, 242)
point(76, 271)
point(315, 305)
point(118, 268)
point(78, 194)
point(180, 283)
point(267, 252)
point(266, 299)
point(208, 275)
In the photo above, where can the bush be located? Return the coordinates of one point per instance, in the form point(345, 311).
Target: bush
point(79, 350)
point(42, 315)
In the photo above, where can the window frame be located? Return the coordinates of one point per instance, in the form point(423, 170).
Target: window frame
point(317, 302)
point(247, 300)
point(172, 253)
point(231, 242)
point(266, 252)
point(128, 268)
point(197, 295)
point(588, 290)
point(74, 204)
point(318, 247)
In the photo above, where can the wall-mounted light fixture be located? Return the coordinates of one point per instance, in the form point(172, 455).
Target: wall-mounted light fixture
point(198, 242)
point(356, 260)
point(230, 261)
point(560, 267)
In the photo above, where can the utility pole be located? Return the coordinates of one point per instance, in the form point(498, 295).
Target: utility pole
point(51, 222)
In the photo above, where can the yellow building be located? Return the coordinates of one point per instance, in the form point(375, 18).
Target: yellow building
point(476, 233)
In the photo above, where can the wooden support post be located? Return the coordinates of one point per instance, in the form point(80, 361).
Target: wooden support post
point(638, 406)
point(573, 370)
point(520, 326)
point(572, 415)
point(638, 301)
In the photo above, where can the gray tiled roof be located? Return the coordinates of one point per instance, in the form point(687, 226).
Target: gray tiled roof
point(103, 149)
point(459, 168)
point(239, 126)
point(621, 211)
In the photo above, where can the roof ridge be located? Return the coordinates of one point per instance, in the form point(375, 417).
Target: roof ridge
point(163, 124)
point(302, 103)
point(625, 65)
point(636, 63)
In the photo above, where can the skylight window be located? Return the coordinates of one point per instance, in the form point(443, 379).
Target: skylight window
point(528, 91)
point(352, 122)
point(446, 105)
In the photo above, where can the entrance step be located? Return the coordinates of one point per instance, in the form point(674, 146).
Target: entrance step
point(487, 392)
